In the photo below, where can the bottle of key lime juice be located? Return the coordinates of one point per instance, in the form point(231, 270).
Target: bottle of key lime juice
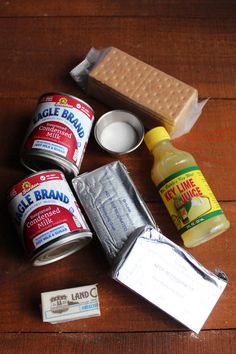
point(187, 196)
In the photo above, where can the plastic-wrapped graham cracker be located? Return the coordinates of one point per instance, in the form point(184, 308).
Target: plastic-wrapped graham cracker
point(122, 81)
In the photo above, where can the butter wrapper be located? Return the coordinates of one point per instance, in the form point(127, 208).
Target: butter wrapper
point(70, 304)
point(124, 82)
point(169, 277)
point(112, 204)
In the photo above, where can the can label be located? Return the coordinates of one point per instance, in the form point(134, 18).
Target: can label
point(61, 125)
point(43, 209)
point(188, 198)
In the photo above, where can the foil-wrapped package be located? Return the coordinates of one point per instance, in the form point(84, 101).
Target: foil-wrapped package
point(112, 204)
point(169, 277)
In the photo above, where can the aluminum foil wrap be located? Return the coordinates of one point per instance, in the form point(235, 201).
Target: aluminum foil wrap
point(113, 205)
point(169, 277)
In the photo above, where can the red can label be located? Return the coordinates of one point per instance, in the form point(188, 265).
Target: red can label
point(61, 125)
point(44, 208)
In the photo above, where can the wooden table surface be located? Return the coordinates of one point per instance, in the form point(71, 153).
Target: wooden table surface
point(41, 41)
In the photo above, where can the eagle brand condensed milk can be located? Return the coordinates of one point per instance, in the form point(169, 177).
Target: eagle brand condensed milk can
point(47, 217)
point(58, 134)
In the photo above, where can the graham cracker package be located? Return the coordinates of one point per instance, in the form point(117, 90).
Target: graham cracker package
point(124, 82)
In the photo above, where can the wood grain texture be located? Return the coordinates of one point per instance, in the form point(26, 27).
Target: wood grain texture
point(211, 141)
point(144, 8)
point(138, 343)
point(122, 310)
point(39, 60)
point(41, 41)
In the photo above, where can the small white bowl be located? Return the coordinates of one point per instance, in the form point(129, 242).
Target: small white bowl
point(119, 132)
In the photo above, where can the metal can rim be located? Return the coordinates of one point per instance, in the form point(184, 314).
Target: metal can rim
point(64, 94)
point(67, 239)
point(65, 163)
point(111, 151)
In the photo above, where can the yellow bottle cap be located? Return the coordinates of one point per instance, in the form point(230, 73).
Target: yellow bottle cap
point(154, 136)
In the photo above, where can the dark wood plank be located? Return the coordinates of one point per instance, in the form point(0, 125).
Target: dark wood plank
point(121, 310)
point(39, 60)
point(211, 141)
point(40, 42)
point(209, 342)
point(170, 8)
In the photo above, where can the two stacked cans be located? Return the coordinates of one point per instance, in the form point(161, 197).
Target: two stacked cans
point(43, 207)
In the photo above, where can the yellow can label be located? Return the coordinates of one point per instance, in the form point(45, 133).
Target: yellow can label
point(188, 198)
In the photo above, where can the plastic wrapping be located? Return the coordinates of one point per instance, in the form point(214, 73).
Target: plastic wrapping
point(124, 82)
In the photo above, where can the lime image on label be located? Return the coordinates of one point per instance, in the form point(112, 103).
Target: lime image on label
point(192, 208)
point(188, 198)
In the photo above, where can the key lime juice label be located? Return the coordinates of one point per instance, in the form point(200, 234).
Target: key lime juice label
point(188, 198)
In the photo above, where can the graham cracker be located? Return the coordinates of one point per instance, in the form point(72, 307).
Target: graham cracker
point(123, 81)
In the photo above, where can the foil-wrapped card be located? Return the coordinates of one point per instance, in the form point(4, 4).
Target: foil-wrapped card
point(169, 277)
point(112, 204)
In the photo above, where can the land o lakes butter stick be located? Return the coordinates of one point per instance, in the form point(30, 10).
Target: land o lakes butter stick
point(70, 304)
